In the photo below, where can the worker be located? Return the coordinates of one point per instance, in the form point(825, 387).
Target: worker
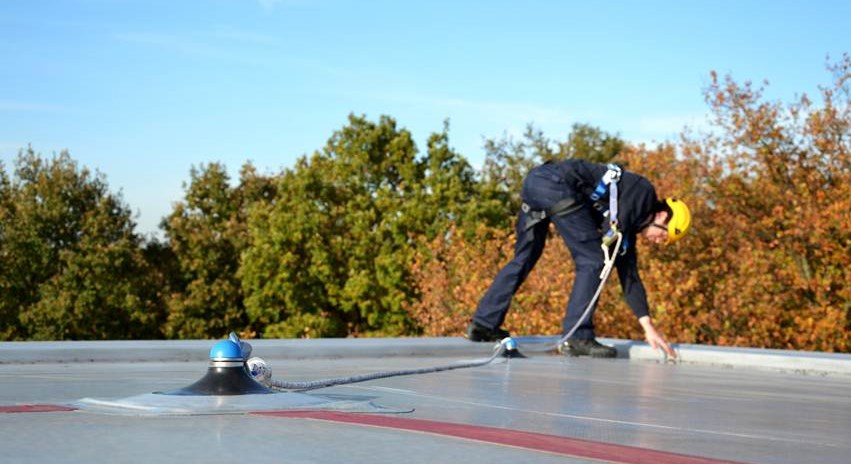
point(575, 195)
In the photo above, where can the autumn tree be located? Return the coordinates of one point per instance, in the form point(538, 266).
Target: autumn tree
point(777, 217)
point(765, 263)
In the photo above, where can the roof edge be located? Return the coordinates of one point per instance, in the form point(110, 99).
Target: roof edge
point(804, 362)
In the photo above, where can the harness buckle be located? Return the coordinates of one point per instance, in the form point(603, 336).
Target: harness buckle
point(611, 177)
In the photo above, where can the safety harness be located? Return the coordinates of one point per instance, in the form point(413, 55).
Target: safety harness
point(608, 184)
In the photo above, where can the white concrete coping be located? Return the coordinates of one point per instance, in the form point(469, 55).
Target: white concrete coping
point(804, 362)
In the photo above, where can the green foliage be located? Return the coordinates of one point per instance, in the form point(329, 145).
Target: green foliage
point(592, 144)
point(506, 163)
point(70, 265)
point(207, 234)
point(446, 192)
point(330, 257)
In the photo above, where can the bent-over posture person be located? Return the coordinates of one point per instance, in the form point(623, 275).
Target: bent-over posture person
point(575, 196)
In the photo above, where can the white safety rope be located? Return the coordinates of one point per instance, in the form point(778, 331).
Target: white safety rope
point(280, 385)
point(608, 264)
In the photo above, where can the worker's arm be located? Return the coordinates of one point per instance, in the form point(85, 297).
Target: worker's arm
point(633, 289)
point(636, 297)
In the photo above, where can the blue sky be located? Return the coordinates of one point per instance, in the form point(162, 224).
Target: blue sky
point(143, 90)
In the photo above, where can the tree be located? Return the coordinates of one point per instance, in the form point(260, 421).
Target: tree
point(206, 234)
point(330, 257)
point(71, 266)
point(781, 178)
point(591, 143)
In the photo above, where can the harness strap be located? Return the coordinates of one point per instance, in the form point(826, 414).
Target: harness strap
point(613, 204)
point(562, 207)
point(568, 205)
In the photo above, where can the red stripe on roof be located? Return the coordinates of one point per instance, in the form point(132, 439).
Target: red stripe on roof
point(36, 408)
point(575, 447)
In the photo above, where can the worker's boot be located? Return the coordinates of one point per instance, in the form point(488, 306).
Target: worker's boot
point(479, 333)
point(577, 347)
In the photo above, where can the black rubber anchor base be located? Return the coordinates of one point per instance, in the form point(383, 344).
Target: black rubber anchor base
point(512, 353)
point(222, 381)
point(509, 348)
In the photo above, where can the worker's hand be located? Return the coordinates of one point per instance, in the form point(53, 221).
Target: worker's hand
point(654, 338)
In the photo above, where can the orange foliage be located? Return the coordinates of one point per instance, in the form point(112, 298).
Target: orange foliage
point(766, 263)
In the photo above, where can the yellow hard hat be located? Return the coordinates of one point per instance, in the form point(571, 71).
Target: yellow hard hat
point(679, 221)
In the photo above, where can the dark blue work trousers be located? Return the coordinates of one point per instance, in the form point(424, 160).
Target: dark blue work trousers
point(543, 187)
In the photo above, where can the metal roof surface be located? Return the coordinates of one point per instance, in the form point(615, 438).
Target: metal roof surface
point(716, 405)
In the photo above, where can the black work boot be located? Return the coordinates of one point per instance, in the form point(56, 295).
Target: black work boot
point(577, 347)
point(479, 333)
